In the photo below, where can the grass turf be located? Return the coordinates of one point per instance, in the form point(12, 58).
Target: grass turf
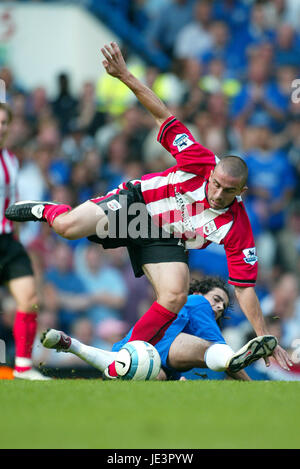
point(161, 415)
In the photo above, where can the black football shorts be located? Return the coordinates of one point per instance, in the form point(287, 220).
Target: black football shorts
point(14, 260)
point(145, 246)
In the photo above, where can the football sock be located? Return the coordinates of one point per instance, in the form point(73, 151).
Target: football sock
point(217, 355)
point(24, 332)
point(151, 327)
point(52, 211)
point(95, 357)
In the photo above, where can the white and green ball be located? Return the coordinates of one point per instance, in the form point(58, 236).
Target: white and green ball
point(138, 361)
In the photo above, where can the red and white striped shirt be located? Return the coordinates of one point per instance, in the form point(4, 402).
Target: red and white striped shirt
point(9, 167)
point(176, 200)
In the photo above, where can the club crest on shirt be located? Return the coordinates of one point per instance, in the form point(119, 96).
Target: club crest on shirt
point(250, 256)
point(209, 227)
point(182, 141)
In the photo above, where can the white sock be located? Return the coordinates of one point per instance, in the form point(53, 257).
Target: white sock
point(93, 356)
point(217, 355)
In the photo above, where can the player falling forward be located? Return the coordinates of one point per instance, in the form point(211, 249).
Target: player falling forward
point(15, 269)
point(194, 203)
point(193, 340)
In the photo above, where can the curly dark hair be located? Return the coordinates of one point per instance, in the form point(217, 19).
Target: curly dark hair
point(206, 284)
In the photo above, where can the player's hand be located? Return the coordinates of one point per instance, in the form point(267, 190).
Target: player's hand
point(281, 357)
point(114, 62)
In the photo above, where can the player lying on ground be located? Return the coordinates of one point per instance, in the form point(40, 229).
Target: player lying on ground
point(193, 340)
point(194, 203)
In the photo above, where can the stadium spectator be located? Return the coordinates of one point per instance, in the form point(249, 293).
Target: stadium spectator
point(110, 331)
point(88, 117)
point(193, 99)
point(234, 13)
point(293, 149)
point(12, 86)
point(215, 79)
point(225, 48)
point(76, 142)
point(284, 302)
point(103, 282)
point(72, 299)
point(282, 11)
point(271, 180)
point(64, 105)
point(163, 30)
point(259, 96)
point(287, 46)
point(256, 31)
point(288, 242)
point(195, 38)
point(38, 106)
point(281, 308)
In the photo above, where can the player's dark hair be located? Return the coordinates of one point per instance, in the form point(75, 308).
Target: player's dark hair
point(206, 284)
point(8, 111)
point(235, 167)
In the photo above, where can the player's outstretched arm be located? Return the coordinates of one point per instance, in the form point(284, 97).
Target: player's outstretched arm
point(115, 66)
point(249, 304)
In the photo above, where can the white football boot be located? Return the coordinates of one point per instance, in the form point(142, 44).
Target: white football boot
point(30, 375)
point(57, 340)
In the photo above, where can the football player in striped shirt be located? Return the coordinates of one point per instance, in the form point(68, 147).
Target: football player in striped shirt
point(188, 206)
point(15, 266)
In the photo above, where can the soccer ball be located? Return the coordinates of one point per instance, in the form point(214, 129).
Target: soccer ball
point(138, 361)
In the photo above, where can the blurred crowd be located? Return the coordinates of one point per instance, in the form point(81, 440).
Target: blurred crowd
point(233, 82)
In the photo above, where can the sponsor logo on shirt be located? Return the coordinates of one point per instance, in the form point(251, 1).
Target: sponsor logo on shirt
point(182, 141)
point(114, 205)
point(250, 256)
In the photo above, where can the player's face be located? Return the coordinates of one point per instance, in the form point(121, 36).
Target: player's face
point(222, 189)
point(3, 125)
point(219, 301)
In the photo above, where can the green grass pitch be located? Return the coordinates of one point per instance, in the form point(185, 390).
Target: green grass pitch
point(199, 414)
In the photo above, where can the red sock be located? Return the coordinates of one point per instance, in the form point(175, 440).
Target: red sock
point(24, 332)
point(153, 324)
point(52, 211)
point(150, 328)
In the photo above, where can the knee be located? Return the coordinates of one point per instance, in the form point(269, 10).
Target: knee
point(64, 227)
point(173, 300)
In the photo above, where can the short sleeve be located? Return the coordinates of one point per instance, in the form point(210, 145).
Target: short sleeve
point(241, 251)
point(190, 155)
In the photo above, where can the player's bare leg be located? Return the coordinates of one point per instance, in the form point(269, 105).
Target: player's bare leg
point(170, 281)
point(23, 290)
point(85, 220)
point(187, 352)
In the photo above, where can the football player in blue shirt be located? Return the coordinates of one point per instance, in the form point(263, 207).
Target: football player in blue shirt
point(194, 339)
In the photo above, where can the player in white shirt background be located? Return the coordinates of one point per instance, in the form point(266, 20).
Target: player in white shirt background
point(15, 266)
